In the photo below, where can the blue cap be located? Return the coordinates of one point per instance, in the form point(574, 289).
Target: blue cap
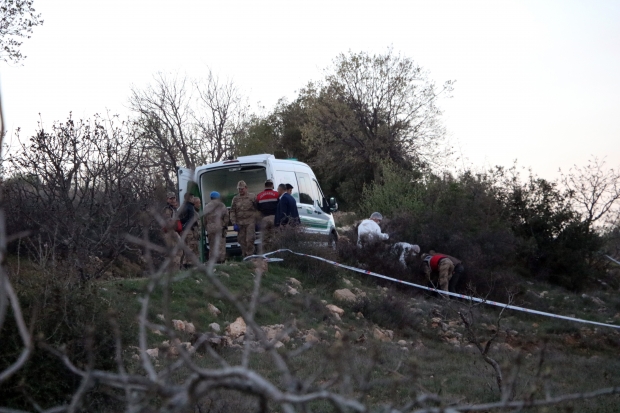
point(214, 195)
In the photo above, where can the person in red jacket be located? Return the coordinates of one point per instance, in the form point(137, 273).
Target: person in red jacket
point(442, 264)
point(266, 203)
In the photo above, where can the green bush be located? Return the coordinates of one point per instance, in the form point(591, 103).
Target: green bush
point(399, 190)
point(492, 221)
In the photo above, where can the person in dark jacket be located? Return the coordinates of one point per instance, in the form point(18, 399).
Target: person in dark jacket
point(286, 211)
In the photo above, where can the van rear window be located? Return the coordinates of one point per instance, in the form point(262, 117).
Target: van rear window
point(224, 181)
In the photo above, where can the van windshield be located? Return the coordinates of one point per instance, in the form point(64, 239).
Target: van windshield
point(224, 181)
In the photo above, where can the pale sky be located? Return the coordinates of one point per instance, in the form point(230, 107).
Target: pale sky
point(537, 81)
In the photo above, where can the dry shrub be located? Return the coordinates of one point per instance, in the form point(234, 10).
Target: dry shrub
point(484, 274)
point(391, 312)
point(317, 273)
point(63, 313)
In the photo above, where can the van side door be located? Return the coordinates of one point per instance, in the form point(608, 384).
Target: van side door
point(185, 178)
point(311, 215)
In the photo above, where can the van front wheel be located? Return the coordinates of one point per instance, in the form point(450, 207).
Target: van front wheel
point(333, 240)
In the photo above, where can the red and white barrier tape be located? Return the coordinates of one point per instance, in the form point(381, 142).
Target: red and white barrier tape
point(465, 297)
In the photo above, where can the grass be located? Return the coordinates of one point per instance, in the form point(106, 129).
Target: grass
point(577, 357)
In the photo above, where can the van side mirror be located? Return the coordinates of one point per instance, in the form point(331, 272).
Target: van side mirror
point(333, 205)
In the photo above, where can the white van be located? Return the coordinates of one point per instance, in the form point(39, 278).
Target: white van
point(315, 210)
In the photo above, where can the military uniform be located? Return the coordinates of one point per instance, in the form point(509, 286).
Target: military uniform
point(171, 237)
point(243, 214)
point(197, 229)
point(266, 203)
point(442, 264)
point(216, 223)
point(187, 214)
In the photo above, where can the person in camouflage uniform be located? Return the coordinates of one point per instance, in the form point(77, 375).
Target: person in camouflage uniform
point(171, 236)
point(197, 229)
point(216, 223)
point(444, 265)
point(187, 215)
point(266, 204)
point(243, 217)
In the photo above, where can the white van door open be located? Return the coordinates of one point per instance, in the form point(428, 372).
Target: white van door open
point(185, 176)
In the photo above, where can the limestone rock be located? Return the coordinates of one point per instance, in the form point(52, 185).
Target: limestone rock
point(345, 295)
point(347, 282)
point(213, 310)
point(294, 282)
point(383, 335)
point(291, 291)
point(215, 327)
point(189, 328)
point(236, 329)
point(402, 343)
point(278, 345)
point(161, 317)
point(153, 352)
point(312, 337)
point(335, 309)
point(188, 346)
point(359, 293)
point(276, 333)
point(178, 325)
point(338, 335)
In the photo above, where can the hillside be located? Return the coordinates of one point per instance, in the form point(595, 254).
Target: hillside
point(394, 343)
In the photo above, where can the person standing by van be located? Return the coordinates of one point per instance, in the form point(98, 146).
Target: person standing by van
point(171, 228)
point(243, 217)
point(286, 211)
point(266, 203)
point(216, 223)
point(189, 220)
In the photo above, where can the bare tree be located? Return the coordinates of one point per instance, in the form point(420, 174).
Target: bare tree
point(77, 187)
point(221, 118)
point(17, 19)
point(188, 123)
point(164, 119)
point(594, 190)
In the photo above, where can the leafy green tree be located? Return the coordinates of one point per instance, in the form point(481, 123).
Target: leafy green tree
point(278, 132)
point(262, 136)
point(17, 19)
point(372, 108)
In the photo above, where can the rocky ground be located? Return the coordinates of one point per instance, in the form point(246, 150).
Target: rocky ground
point(404, 326)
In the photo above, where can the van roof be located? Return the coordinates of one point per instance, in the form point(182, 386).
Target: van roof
point(261, 158)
